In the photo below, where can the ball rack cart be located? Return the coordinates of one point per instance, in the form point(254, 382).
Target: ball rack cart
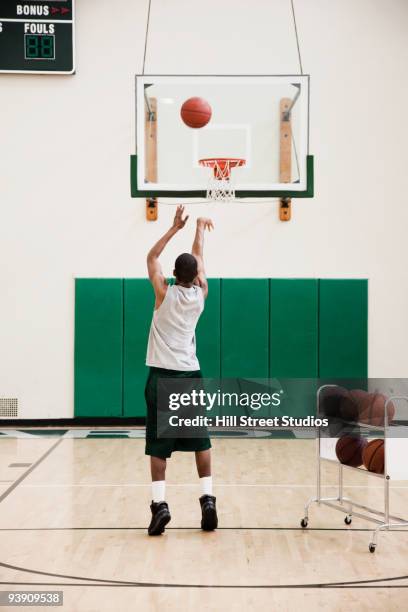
point(383, 519)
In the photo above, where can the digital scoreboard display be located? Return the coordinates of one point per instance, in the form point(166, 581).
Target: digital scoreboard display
point(37, 36)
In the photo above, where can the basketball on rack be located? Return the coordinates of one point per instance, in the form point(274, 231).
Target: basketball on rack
point(196, 112)
point(361, 400)
point(337, 403)
point(371, 408)
point(349, 450)
point(373, 456)
point(378, 410)
point(349, 409)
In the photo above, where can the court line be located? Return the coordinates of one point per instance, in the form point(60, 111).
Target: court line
point(302, 529)
point(131, 586)
point(109, 582)
point(28, 472)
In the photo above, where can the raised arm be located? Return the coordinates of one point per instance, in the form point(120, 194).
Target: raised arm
point(197, 250)
point(154, 268)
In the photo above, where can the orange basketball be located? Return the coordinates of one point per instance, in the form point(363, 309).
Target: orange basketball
point(378, 410)
point(196, 112)
point(349, 450)
point(349, 407)
point(358, 394)
point(364, 401)
point(372, 408)
point(332, 400)
point(373, 456)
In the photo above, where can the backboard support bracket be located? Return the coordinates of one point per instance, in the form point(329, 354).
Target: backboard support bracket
point(152, 209)
point(152, 206)
point(285, 209)
point(285, 156)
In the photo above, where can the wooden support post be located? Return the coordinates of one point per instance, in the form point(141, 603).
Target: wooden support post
point(151, 155)
point(285, 159)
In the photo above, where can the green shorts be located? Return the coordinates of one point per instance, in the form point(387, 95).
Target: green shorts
point(163, 447)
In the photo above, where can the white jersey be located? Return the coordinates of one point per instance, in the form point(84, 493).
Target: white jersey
point(172, 343)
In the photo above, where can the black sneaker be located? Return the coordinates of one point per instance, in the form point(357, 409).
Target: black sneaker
point(160, 518)
point(209, 520)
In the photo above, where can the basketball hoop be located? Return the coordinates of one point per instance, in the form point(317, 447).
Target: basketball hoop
point(220, 187)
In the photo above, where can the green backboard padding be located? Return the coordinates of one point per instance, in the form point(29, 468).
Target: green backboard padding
point(245, 328)
point(138, 309)
point(146, 193)
point(209, 332)
point(98, 347)
point(343, 313)
point(294, 328)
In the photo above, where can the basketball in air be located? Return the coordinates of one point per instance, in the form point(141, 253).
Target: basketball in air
point(196, 112)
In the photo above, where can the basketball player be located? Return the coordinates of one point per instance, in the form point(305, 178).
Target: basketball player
point(171, 353)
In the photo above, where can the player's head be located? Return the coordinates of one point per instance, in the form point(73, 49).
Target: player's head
point(185, 268)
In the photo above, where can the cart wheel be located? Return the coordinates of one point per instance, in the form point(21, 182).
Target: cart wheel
point(304, 522)
point(371, 547)
point(348, 520)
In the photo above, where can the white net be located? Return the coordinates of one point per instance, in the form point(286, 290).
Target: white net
point(220, 186)
point(220, 190)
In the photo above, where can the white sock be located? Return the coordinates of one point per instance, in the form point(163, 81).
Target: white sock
point(158, 490)
point(206, 485)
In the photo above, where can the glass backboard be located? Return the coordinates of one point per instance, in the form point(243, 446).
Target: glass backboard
point(263, 120)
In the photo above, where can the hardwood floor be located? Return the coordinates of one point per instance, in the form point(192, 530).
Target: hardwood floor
point(79, 518)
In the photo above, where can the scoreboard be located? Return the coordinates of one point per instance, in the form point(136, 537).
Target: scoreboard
point(37, 37)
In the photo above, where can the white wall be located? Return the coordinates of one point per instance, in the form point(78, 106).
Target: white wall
point(64, 179)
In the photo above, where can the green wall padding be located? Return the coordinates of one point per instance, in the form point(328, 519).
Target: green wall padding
point(294, 328)
point(245, 328)
point(138, 309)
point(343, 313)
point(209, 332)
point(294, 340)
point(251, 328)
point(98, 347)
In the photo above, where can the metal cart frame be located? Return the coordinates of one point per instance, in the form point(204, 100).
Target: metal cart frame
point(383, 519)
